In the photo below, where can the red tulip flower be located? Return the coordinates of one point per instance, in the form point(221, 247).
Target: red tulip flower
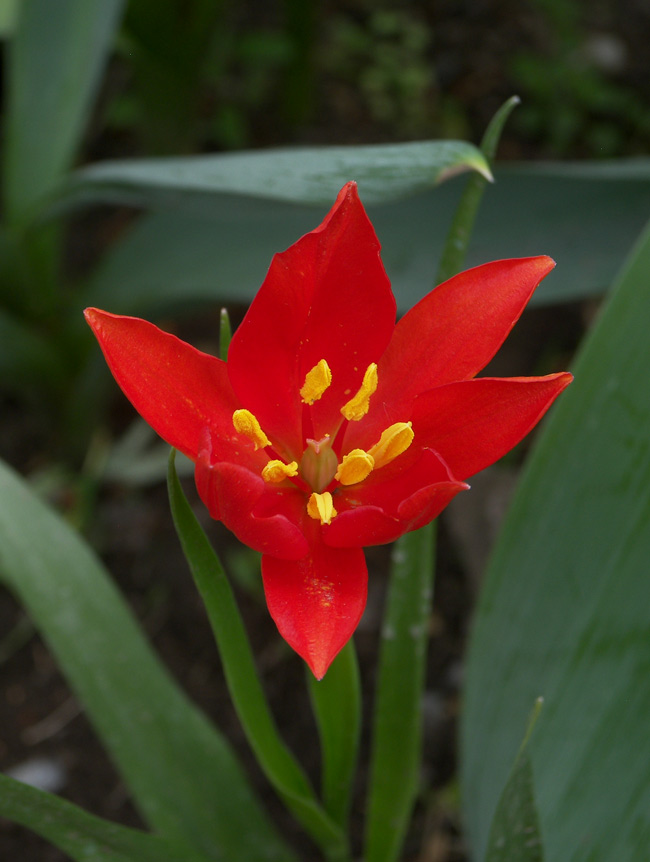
point(330, 427)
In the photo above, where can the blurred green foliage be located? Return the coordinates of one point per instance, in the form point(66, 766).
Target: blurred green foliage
point(195, 75)
point(576, 101)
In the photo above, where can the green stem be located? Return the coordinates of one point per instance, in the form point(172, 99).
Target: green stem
point(336, 701)
point(395, 759)
point(455, 249)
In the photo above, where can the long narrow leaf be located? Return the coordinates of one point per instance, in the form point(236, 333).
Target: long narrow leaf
point(311, 175)
point(397, 732)
point(564, 612)
point(82, 836)
point(57, 55)
point(182, 774)
point(279, 765)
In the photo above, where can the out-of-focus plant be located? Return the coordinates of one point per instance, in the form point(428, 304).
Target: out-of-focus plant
point(384, 59)
point(574, 100)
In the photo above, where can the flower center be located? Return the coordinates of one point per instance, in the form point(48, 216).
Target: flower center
point(319, 463)
point(320, 466)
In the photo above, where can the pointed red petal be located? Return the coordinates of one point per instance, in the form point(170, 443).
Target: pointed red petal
point(475, 422)
point(326, 297)
point(318, 601)
point(177, 389)
point(453, 333)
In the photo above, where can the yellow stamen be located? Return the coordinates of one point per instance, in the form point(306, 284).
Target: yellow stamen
point(357, 407)
point(316, 382)
point(278, 471)
point(320, 506)
point(355, 467)
point(245, 423)
point(393, 441)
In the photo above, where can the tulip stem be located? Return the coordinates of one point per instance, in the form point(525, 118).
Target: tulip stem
point(397, 731)
point(336, 701)
point(455, 248)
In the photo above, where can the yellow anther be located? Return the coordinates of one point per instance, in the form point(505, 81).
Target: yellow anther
point(320, 506)
point(316, 382)
point(355, 467)
point(357, 407)
point(277, 471)
point(393, 441)
point(245, 423)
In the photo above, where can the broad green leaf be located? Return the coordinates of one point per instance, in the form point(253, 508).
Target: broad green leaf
point(84, 837)
point(564, 612)
point(303, 175)
point(176, 259)
point(514, 833)
point(57, 56)
point(397, 730)
point(275, 759)
point(336, 700)
point(183, 776)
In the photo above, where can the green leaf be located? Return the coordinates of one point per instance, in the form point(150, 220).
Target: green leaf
point(275, 759)
point(56, 60)
point(184, 778)
point(304, 175)
point(84, 837)
point(514, 833)
point(397, 730)
point(564, 611)
point(336, 700)
point(174, 259)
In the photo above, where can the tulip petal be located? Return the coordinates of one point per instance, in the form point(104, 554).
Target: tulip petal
point(318, 601)
point(473, 423)
point(326, 297)
point(451, 334)
point(264, 520)
point(177, 389)
point(392, 502)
